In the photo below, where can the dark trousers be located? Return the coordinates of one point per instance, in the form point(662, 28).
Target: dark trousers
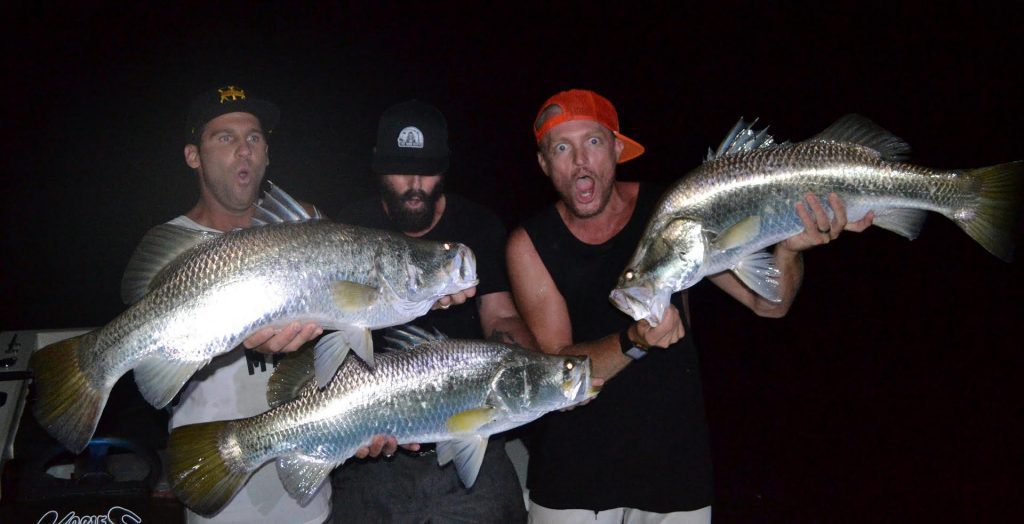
point(412, 488)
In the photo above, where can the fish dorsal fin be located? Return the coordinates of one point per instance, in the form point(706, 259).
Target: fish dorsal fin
point(302, 475)
point(741, 139)
point(856, 129)
point(467, 453)
point(161, 246)
point(277, 206)
point(739, 233)
point(291, 377)
point(409, 336)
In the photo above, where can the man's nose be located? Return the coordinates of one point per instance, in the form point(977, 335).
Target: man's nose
point(579, 156)
point(244, 149)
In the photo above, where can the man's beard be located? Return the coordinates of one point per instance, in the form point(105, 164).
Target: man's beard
point(411, 220)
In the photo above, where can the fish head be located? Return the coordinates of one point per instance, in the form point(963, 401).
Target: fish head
point(436, 269)
point(669, 258)
point(531, 384)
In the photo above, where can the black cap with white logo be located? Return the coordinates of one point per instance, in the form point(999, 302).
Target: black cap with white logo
point(412, 139)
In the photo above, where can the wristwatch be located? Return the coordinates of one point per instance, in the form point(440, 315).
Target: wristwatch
point(629, 348)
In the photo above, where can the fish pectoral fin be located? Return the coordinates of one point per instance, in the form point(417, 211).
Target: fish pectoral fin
point(351, 296)
point(159, 379)
point(759, 272)
point(302, 475)
point(738, 234)
point(330, 352)
point(467, 453)
point(470, 420)
point(903, 222)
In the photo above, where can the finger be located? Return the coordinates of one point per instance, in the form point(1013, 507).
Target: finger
point(259, 338)
point(305, 334)
point(839, 218)
point(411, 447)
point(809, 225)
point(376, 444)
point(390, 446)
point(821, 219)
point(861, 224)
point(362, 452)
point(442, 303)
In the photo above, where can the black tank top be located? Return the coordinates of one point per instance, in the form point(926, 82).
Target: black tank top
point(643, 442)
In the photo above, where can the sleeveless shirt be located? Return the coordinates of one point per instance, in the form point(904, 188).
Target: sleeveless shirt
point(643, 442)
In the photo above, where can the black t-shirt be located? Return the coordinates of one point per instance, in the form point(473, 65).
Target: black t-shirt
point(463, 221)
point(643, 442)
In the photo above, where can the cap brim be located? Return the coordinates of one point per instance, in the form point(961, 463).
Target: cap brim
point(631, 150)
point(409, 166)
point(267, 113)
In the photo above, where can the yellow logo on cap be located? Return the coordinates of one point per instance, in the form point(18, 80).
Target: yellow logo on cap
point(231, 93)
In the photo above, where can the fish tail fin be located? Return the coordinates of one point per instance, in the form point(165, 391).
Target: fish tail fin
point(67, 404)
point(204, 477)
point(994, 219)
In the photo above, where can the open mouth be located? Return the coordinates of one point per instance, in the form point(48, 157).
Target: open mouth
point(586, 187)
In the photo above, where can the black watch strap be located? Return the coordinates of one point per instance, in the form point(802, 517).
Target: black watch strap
point(628, 348)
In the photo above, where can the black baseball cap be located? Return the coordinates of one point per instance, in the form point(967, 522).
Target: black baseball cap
point(229, 99)
point(412, 139)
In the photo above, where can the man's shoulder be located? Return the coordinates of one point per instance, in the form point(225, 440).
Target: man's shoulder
point(462, 207)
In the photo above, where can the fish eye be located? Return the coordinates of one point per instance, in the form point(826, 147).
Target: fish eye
point(447, 246)
point(569, 365)
point(630, 274)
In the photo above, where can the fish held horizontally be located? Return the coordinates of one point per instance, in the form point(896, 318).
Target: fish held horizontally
point(427, 389)
point(742, 199)
point(197, 295)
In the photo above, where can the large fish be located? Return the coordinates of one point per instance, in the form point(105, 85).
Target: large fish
point(214, 290)
point(428, 389)
point(742, 200)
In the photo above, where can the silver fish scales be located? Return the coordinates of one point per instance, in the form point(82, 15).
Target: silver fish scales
point(453, 392)
point(200, 295)
point(741, 200)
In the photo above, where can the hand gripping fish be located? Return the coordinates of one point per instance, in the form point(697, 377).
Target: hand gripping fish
point(426, 389)
point(197, 295)
point(742, 199)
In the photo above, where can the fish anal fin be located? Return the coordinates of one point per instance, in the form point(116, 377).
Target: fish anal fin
point(68, 405)
point(759, 272)
point(159, 379)
point(350, 296)
point(739, 233)
point(302, 475)
point(902, 221)
point(467, 453)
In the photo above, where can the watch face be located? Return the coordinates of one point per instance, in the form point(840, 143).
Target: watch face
point(636, 353)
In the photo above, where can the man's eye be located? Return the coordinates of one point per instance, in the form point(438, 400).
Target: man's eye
point(561, 148)
point(224, 139)
point(595, 141)
point(255, 139)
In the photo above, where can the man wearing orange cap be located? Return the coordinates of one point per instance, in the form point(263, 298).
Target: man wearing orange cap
point(640, 451)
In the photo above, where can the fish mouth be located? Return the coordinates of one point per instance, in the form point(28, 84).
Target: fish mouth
point(583, 389)
point(642, 302)
point(463, 268)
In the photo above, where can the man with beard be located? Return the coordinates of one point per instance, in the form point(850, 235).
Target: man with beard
point(411, 160)
point(640, 452)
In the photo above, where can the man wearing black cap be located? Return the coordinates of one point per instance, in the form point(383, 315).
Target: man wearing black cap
point(227, 149)
point(411, 160)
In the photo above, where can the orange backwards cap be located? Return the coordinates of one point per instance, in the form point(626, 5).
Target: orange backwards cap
point(583, 104)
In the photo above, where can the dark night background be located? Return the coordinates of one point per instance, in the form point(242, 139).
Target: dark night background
point(892, 390)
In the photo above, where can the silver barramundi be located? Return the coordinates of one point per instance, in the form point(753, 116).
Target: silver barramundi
point(197, 295)
point(742, 199)
point(456, 393)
